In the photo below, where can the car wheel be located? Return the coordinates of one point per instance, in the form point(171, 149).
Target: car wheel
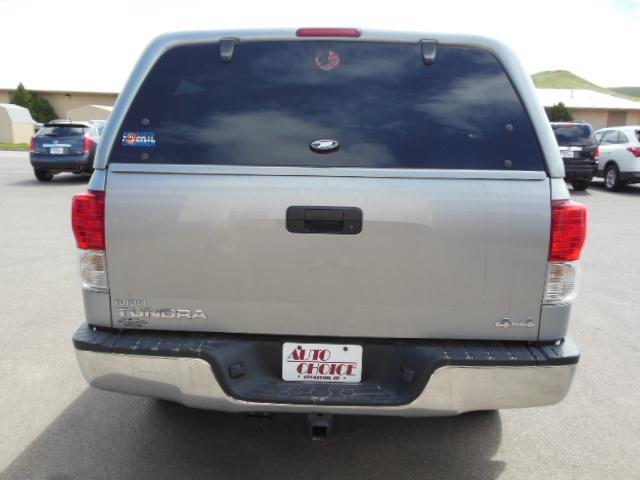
point(580, 185)
point(43, 175)
point(612, 180)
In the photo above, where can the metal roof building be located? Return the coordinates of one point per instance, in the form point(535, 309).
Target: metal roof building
point(599, 109)
point(16, 124)
point(89, 112)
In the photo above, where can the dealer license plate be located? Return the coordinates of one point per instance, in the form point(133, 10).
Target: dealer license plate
point(566, 153)
point(321, 362)
point(56, 150)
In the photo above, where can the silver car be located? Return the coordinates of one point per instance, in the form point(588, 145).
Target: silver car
point(329, 221)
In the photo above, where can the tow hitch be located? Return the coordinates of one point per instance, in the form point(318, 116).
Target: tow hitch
point(320, 425)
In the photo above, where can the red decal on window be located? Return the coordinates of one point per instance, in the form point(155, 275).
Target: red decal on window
point(331, 61)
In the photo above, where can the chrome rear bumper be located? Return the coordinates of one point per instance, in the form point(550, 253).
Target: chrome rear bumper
point(450, 390)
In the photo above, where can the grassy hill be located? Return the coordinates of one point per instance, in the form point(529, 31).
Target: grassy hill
point(566, 79)
point(629, 91)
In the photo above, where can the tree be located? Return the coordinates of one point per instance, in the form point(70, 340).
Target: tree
point(21, 97)
point(40, 108)
point(559, 113)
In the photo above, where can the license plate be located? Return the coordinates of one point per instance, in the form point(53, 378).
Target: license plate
point(56, 150)
point(321, 362)
point(566, 153)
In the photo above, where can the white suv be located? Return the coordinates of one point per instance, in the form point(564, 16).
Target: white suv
point(619, 156)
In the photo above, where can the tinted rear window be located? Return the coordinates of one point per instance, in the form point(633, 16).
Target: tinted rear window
point(379, 101)
point(571, 134)
point(65, 131)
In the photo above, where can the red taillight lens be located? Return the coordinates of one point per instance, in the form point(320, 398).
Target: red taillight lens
point(568, 230)
point(86, 145)
point(32, 147)
point(596, 154)
point(87, 220)
point(328, 32)
point(635, 151)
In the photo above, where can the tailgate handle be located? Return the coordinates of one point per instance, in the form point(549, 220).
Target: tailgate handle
point(333, 220)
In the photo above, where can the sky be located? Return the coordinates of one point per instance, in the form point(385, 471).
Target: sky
point(92, 46)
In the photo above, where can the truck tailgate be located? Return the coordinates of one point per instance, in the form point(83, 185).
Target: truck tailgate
point(436, 257)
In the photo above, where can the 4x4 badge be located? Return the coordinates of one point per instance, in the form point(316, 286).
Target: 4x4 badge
point(324, 146)
point(507, 323)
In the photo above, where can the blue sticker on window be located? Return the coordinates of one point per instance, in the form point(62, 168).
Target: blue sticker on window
point(138, 139)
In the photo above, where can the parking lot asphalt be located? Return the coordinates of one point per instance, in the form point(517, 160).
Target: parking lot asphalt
point(53, 426)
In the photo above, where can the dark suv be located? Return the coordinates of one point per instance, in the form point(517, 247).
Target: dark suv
point(579, 151)
point(64, 146)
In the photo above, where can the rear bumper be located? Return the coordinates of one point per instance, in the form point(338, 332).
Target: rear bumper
point(449, 377)
point(62, 163)
point(580, 172)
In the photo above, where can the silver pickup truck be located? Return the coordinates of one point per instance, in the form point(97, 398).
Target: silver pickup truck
point(329, 221)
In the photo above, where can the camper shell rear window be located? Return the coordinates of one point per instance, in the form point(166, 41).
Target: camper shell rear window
point(379, 102)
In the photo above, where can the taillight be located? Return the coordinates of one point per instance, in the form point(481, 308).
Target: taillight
point(86, 145)
point(568, 230)
point(635, 151)
point(87, 220)
point(568, 233)
point(32, 147)
point(93, 270)
point(562, 283)
point(328, 32)
point(596, 154)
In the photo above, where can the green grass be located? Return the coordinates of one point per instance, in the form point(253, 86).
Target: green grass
point(566, 79)
point(14, 146)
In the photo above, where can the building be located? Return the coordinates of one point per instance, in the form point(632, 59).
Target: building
point(599, 109)
point(89, 112)
point(16, 124)
point(64, 100)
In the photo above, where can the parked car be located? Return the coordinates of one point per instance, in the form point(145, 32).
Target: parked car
point(579, 151)
point(620, 156)
point(100, 124)
point(333, 222)
point(63, 146)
